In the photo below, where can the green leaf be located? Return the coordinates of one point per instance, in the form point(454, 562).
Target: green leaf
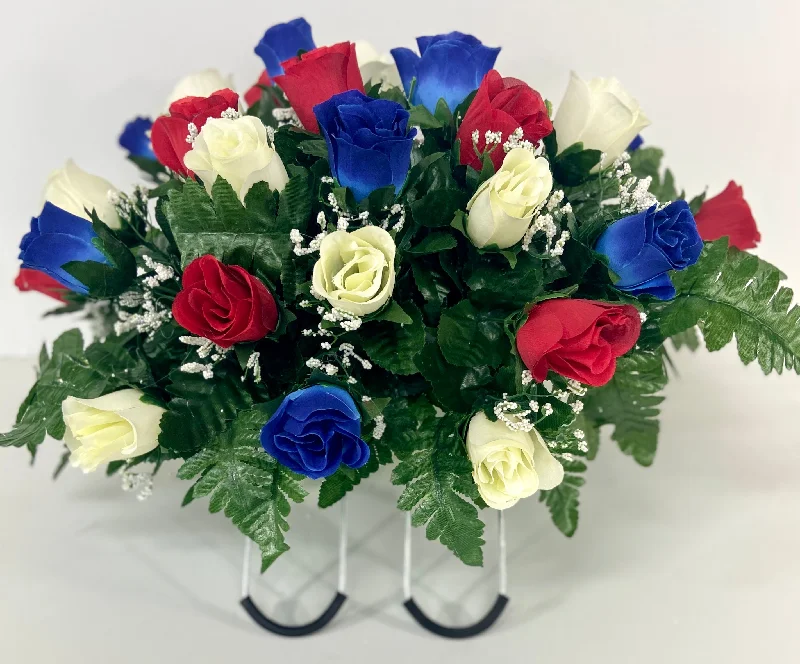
point(105, 280)
point(438, 480)
point(574, 165)
point(562, 501)
point(434, 243)
point(422, 117)
point(200, 409)
point(630, 403)
point(433, 285)
point(249, 236)
point(244, 482)
point(436, 208)
point(393, 313)
point(471, 337)
point(686, 339)
point(393, 346)
point(730, 292)
point(455, 388)
point(493, 283)
point(646, 162)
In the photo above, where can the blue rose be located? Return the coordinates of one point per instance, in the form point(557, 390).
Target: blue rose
point(314, 431)
point(643, 248)
point(135, 138)
point(283, 41)
point(450, 67)
point(55, 239)
point(369, 145)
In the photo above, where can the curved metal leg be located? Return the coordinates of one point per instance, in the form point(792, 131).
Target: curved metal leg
point(457, 632)
point(314, 626)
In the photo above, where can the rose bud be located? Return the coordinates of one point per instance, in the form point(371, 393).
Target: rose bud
point(369, 143)
point(502, 105)
point(578, 339)
point(282, 42)
point(643, 248)
point(314, 431)
point(449, 67)
point(509, 465)
point(355, 271)
point(502, 209)
point(114, 427)
point(316, 77)
point(728, 213)
point(240, 152)
point(600, 114)
point(34, 280)
point(224, 303)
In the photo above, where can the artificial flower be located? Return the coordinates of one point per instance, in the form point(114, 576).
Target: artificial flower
point(135, 138)
point(376, 67)
point(224, 303)
point(282, 42)
point(170, 132)
point(502, 105)
point(579, 339)
point(317, 76)
point(34, 280)
point(114, 427)
point(600, 114)
point(502, 208)
point(56, 238)
point(643, 248)
point(509, 465)
point(201, 84)
point(253, 93)
point(314, 431)
point(78, 192)
point(239, 151)
point(369, 144)
point(355, 271)
point(728, 213)
point(448, 67)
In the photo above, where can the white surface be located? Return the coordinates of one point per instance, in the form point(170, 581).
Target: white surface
point(693, 560)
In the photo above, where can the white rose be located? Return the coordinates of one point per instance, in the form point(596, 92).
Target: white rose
point(508, 465)
point(239, 151)
point(76, 191)
point(355, 271)
point(600, 114)
point(113, 427)
point(201, 84)
point(376, 67)
point(501, 210)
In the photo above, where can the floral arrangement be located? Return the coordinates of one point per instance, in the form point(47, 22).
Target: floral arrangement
point(369, 260)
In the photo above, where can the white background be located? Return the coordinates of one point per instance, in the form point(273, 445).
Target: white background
point(694, 560)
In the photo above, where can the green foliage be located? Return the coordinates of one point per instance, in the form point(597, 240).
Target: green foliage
point(730, 292)
point(492, 283)
point(200, 409)
point(630, 403)
point(394, 346)
point(241, 480)
point(438, 481)
point(472, 337)
point(255, 235)
point(646, 162)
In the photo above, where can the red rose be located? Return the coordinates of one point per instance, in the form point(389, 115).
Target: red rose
point(224, 303)
point(254, 93)
point(317, 76)
point(504, 105)
point(34, 280)
point(169, 132)
point(579, 339)
point(728, 214)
